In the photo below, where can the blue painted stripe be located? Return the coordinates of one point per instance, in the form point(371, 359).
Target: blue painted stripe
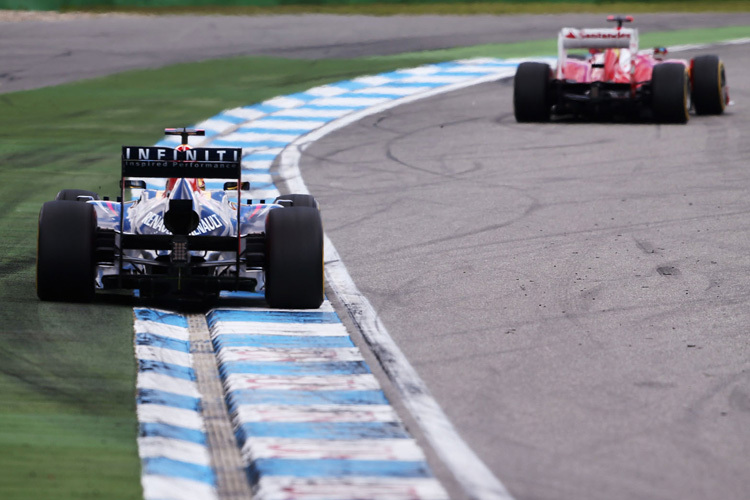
point(337, 468)
point(394, 75)
point(243, 295)
point(324, 430)
point(151, 429)
point(288, 397)
point(306, 317)
point(249, 144)
point(160, 317)
point(162, 466)
point(164, 398)
point(350, 85)
point(177, 371)
point(295, 368)
point(225, 340)
point(264, 108)
point(151, 339)
point(266, 171)
point(259, 157)
point(302, 96)
point(274, 131)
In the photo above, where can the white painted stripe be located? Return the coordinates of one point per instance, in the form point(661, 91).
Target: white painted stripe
point(170, 356)
point(158, 381)
point(474, 476)
point(319, 449)
point(470, 68)
point(306, 355)
point(327, 90)
point(313, 113)
point(364, 382)
point(246, 113)
point(174, 449)
point(290, 124)
point(316, 413)
point(380, 488)
point(349, 101)
point(324, 307)
point(258, 178)
point(399, 91)
point(373, 80)
point(256, 136)
point(290, 329)
point(215, 125)
point(172, 488)
point(284, 102)
point(436, 79)
point(160, 414)
point(421, 70)
point(263, 194)
point(247, 152)
point(259, 164)
point(162, 329)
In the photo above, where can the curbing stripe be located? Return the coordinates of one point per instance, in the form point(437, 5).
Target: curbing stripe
point(302, 397)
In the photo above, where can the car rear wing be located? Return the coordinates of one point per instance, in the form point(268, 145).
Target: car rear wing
point(595, 38)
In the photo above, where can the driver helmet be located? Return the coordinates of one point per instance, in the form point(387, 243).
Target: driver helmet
point(195, 184)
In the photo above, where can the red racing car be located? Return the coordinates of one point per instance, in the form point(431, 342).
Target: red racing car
point(613, 78)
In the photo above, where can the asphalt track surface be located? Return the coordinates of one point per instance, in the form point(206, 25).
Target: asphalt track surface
point(42, 53)
point(574, 295)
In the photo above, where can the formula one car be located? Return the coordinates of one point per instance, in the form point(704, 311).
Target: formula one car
point(615, 79)
point(181, 241)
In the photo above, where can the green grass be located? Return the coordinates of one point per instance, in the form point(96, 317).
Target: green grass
point(67, 371)
point(379, 7)
point(445, 8)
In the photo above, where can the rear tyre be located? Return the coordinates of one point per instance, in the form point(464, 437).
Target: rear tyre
point(709, 85)
point(669, 93)
point(294, 258)
point(299, 200)
point(65, 251)
point(531, 92)
point(73, 194)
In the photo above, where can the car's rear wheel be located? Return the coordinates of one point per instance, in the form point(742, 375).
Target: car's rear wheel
point(531, 92)
point(669, 93)
point(294, 258)
point(299, 200)
point(709, 85)
point(73, 194)
point(65, 251)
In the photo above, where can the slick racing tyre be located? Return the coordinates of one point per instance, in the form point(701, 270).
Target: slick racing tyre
point(531, 92)
point(294, 258)
point(709, 85)
point(299, 200)
point(65, 251)
point(73, 194)
point(669, 93)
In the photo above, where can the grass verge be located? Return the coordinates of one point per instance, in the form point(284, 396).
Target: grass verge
point(67, 371)
point(446, 8)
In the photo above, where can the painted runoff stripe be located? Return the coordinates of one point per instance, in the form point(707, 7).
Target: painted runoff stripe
point(172, 438)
